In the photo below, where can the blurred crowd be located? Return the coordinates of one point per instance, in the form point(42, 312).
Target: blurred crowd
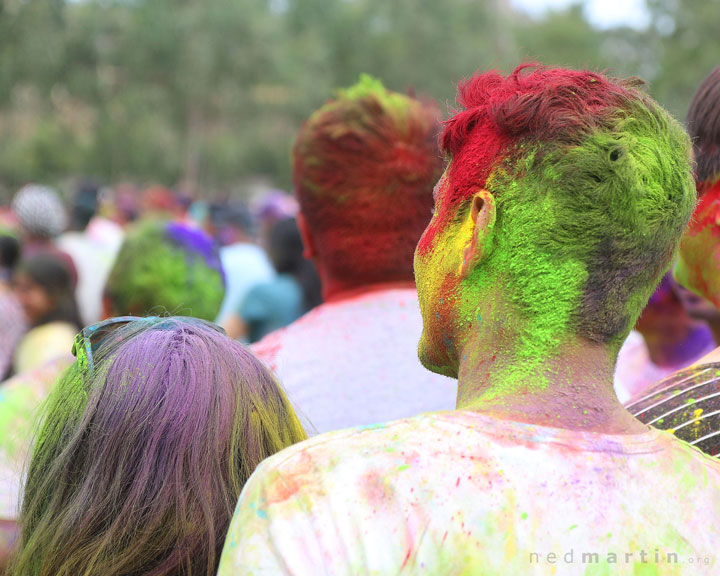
point(58, 255)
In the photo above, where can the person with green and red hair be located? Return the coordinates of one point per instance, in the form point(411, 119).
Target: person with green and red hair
point(560, 211)
point(364, 167)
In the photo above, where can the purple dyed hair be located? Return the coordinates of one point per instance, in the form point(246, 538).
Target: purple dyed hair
point(139, 464)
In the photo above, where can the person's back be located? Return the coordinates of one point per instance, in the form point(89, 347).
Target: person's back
point(369, 370)
point(364, 167)
point(560, 211)
point(464, 493)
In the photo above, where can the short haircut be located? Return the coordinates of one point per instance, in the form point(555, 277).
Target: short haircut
point(703, 123)
point(140, 459)
point(364, 168)
point(593, 188)
point(167, 266)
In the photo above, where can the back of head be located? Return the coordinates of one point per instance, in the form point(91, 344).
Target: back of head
point(286, 247)
point(703, 123)
point(592, 187)
point(364, 167)
point(40, 211)
point(166, 266)
point(84, 205)
point(144, 450)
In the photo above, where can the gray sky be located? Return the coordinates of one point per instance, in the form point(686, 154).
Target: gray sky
point(602, 13)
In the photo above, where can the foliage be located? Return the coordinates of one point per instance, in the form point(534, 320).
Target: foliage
point(210, 94)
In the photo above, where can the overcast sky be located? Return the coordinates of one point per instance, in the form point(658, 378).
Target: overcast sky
point(602, 13)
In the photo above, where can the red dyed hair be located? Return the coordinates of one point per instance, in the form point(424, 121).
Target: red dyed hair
point(531, 104)
point(364, 169)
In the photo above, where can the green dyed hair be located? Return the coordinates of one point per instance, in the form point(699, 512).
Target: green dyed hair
point(593, 185)
point(166, 266)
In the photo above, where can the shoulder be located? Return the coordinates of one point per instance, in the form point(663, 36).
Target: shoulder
point(352, 449)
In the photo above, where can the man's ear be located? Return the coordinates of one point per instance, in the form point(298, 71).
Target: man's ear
point(481, 223)
point(309, 251)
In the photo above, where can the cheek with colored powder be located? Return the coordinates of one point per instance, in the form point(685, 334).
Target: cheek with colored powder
point(698, 267)
point(437, 272)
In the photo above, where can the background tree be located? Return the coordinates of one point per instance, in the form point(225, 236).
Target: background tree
point(208, 94)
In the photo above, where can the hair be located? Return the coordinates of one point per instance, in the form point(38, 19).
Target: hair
point(593, 190)
point(140, 461)
point(169, 266)
point(364, 168)
point(40, 211)
point(9, 252)
point(51, 272)
point(703, 123)
point(84, 205)
point(286, 253)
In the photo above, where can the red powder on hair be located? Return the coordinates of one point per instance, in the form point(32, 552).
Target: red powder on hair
point(364, 168)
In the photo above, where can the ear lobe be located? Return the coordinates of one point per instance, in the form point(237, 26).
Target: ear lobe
point(309, 251)
point(482, 225)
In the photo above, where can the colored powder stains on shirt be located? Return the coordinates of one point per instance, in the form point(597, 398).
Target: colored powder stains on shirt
point(354, 363)
point(471, 506)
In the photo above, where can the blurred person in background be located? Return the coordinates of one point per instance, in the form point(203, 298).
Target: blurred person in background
point(272, 207)
point(166, 265)
point(41, 215)
point(45, 287)
point(245, 263)
point(148, 440)
point(161, 203)
point(161, 267)
point(364, 169)
point(294, 291)
point(91, 248)
point(666, 339)
point(12, 317)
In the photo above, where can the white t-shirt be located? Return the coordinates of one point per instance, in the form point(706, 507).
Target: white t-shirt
point(93, 253)
point(459, 493)
point(354, 362)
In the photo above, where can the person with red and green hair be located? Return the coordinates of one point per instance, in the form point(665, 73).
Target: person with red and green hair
point(561, 209)
point(364, 167)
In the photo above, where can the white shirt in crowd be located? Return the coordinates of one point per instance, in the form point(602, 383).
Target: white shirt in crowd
point(459, 493)
point(245, 266)
point(354, 362)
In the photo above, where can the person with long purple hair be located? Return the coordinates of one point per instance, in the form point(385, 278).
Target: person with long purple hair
point(146, 443)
